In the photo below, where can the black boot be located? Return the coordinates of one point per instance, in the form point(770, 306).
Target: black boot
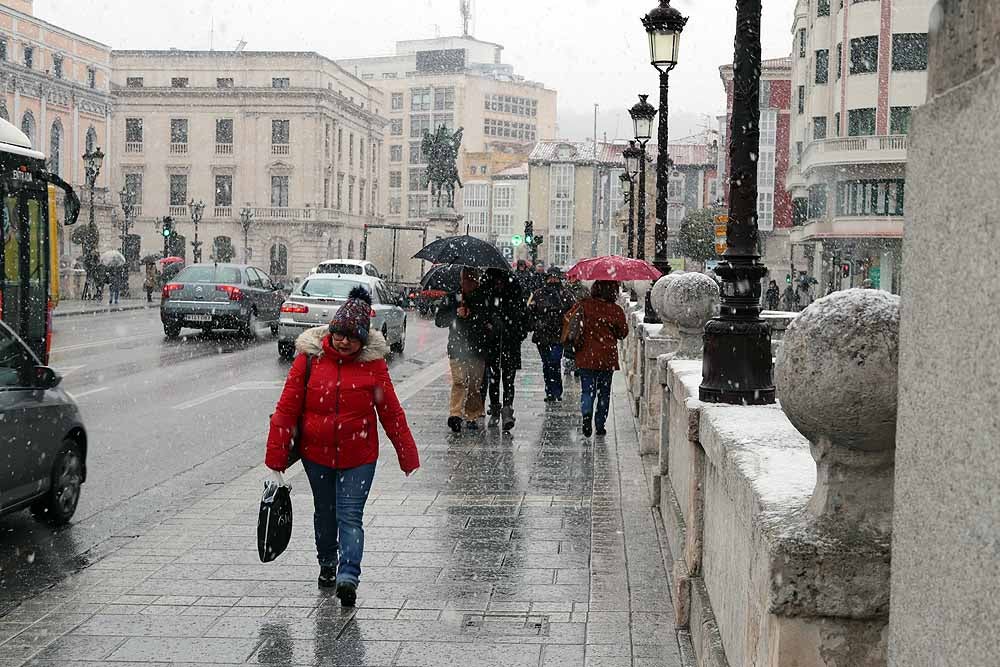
point(587, 425)
point(455, 424)
point(327, 576)
point(508, 418)
point(348, 594)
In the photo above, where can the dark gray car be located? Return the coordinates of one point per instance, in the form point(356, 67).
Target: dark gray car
point(220, 296)
point(43, 444)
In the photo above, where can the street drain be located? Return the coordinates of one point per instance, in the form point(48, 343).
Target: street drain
point(505, 625)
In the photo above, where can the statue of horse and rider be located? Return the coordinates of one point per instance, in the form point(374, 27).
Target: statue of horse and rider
point(441, 151)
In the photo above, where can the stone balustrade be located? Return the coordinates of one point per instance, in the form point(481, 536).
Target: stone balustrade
point(778, 518)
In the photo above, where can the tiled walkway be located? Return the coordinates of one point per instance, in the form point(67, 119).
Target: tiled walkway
point(537, 549)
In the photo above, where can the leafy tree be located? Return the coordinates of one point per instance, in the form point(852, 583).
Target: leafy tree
point(697, 235)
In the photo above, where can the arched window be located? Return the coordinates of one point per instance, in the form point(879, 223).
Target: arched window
point(91, 139)
point(3, 112)
point(55, 147)
point(350, 249)
point(279, 260)
point(28, 126)
point(222, 249)
point(340, 248)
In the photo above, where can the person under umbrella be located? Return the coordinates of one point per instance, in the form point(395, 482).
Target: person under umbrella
point(508, 324)
point(466, 315)
point(546, 309)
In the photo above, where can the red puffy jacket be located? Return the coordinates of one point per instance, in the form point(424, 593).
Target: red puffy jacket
point(344, 395)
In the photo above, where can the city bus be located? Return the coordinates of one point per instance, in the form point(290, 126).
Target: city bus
point(29, 233)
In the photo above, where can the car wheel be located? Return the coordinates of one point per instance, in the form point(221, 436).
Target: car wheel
point(249, 328)
point(286, 350)
point(171, 330)
point(400, 345)
point(59, 504)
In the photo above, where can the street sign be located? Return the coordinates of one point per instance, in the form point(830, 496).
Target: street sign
point(508, 252)
point(721, 225)
point(516, 240)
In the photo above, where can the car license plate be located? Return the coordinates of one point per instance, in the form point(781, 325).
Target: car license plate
point(198, 318)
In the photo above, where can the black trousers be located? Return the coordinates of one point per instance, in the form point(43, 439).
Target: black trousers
point(499, 373)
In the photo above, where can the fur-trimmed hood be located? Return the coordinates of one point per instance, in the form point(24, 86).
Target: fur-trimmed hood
point(310, 342)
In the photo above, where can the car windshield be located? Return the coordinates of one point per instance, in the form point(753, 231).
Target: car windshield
point(328, 288)
point(210, 274)
point(347, 269)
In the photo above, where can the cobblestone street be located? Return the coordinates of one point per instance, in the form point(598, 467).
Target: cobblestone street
point(538, 549)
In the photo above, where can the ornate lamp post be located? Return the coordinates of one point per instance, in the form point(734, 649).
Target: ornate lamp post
point(92, 161)
point(246, 221)
point(197, 210)
point(736, 366)
point(642, 118)
point(127, 198)
point(632, 156)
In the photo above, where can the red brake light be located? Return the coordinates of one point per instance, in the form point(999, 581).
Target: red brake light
point(235, 293)
point(294, 308)
point(170, 287)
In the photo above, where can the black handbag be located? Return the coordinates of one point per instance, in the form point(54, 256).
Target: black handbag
point(274, 523)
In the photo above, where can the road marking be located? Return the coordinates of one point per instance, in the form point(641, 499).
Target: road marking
point(243, 386)
point(96, 343)
point(89, 392)
point(67, 370)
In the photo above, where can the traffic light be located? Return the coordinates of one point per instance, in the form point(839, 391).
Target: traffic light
point(846, 270)
point(168, 227)
point(788, 279)
point(529, 232)
point(538, 240)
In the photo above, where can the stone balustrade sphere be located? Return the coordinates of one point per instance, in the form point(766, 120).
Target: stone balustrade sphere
point(836, 374)
point(688, 299)
point(659, 287)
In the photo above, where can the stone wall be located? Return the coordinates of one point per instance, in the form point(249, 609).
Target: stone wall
point(945, 579)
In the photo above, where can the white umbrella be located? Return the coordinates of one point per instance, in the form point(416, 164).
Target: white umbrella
point(112, 258)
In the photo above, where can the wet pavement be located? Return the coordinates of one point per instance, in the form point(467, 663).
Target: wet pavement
point(533, 549)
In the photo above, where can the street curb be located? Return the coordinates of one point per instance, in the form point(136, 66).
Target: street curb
point(103, 311)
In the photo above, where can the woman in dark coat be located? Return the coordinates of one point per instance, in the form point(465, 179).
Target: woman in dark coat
point(508, 329)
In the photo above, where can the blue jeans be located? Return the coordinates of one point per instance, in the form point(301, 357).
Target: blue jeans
point(339, 498)
point(552, 369)
point(113, 292)
point(595, 388)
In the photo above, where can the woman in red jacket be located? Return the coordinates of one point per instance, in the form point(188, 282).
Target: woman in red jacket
point(348, 385)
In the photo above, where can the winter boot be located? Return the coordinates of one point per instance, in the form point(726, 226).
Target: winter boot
point(495, 413)
point(348, 593)
point(455, 424)
point(508, 417)
point(472, 425)
point(327, 576)
point(587, 426)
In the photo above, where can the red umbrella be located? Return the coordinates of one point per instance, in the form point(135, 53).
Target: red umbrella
point(171, 260)
point(613, 267)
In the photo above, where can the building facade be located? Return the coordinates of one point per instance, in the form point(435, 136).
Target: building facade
point(454, 82)
point(774, 203)
point(859, 69)
point(56, 89)
point(693, 185)
point(289, 137)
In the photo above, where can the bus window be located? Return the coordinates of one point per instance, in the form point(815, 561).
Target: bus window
point(37, 220)
point(11, 265)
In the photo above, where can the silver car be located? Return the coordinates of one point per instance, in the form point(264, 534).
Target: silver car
point(316, 300)
point(43, 444)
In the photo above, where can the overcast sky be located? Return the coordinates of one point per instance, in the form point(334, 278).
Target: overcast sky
point(590, 51)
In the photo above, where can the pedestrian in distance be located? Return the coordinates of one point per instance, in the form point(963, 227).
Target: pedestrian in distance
point(772, 297)
point(547, 307)
point(466, 315)
point(789, 299)
point(117, 275)
point(593, 327)
point(337, 387)
point(149, 283)
point(508, 329)
point(525, 277)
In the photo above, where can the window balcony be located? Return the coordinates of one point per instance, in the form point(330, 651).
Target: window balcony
point(133, 146)
point(854, 150)
point(287, 214)
point(223, 149)
point(280, 149)
point(178, 211)
point(178, 149)
point(223, 212)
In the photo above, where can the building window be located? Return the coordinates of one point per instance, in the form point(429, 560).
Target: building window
point(224, 82)
point(420, 99)
point(899, 120)
point(223, 190)
point(29, 57)
point(179, 82)
point(418, 179)
point(562, 249)
point(802, 43)
point(503, 197)
point(92, 77)
point(817, 201)
point(350, 149)
point(281, 132)
point(395, 179)
point(675, 186)
point(417, 154)
point(503, 224)
point(133, 184)
point(396, 127)
point(134, 82)
point(280, 82)
point(864, 55)
point(861, 122)
point(133, 131)
point(340, 144)
point(55, 148)
point(823, 66)
point(477, 221)
point(836, 124)
point(279, 191)
point(445, 121)
point(563, 178)
point(395, 205)
point(178, 131)
point(395, 153)
point(765, 211)
point(178, 189)
point(224, 131)
point(909, 52)
point(823, 8)
point(819, 127)
point(350, 195)
point(476, 195)
point(419, 125)
point(840, 61)
point(340, 192)
point(3, 49)
point(417, 206)
point(798, 152)
point(389, 75)
point(561, 215)
point(327, 140)
point(279, 260)
point(444, 99)
point(397, 101)
point(326, 193)
point(870, 197)
point(802, 99)
point(57, 66)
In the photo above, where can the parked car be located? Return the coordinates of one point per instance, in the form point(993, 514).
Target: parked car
point(220, 296)
point(361, 267)
point(44, 461)
point(316, 300)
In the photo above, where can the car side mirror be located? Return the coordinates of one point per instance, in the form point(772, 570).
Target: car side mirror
point(46, 377)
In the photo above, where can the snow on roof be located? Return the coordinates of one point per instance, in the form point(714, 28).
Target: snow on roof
point(515, 171)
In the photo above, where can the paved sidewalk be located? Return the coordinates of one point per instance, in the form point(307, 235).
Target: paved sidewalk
point(537, 550)
point(70, 308)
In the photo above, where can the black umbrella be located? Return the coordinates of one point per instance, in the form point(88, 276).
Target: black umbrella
point(444, 277)
point(464, 251)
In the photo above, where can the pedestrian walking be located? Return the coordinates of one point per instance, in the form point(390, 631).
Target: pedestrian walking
point(772, 296)
point(804, 292)
point(508, 329)
point(466, 315)
point(149, 283)
point(546, 309)
point(789, 299)
point(117, 275)
point(525, 277)
point(337, 386)
point(593, 327)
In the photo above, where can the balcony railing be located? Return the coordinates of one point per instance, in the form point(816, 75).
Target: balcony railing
point(223, 149)
point(279, 213)
point(280, 149)
point(840, 150)
point(178, 211)
point(133, 146)
point(223, 211)
point(178, 148)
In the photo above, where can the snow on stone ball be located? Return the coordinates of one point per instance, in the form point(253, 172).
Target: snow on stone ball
point(836, 373)
point(690, 300)
point(659, 288)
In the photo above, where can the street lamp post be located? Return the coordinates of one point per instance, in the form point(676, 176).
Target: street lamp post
point(127, 198)
point(642, 119)
point(246, 221)
point(92, 160)
point(632, 155)
point(736, 366)
point(197, 210)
